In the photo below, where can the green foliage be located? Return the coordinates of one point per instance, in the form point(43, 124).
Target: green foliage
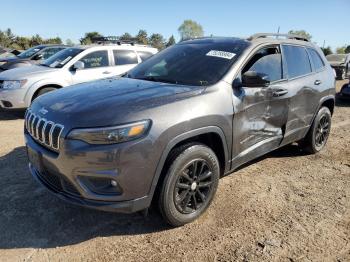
point(327, 50)
point(87, 39)
point(347, 50)
point(190, 29)
point(341, 49)
point(142, 37)
point(302, 33)
point(126, 37)
point(157, 41)
point(171, 41)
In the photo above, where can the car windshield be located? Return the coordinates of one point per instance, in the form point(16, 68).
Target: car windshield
point(61, 58)
point(30, 52)
point(196, 62)
point(336, 58)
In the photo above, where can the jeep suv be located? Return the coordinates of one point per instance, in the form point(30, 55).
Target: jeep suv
point(20, 86)
point(166, 131)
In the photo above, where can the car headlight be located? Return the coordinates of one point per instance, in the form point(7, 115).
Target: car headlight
point(111, 135)
point(13, 84)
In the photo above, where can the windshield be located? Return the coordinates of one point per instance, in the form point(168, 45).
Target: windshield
point(198, 62)
point(61, 58)
point(336, 58)
point(30, 52)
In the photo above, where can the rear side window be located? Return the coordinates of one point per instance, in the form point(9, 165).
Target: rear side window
point(124, 57)
point(316, 59)
point(95, 59)
point(297, 60)
point(144, 55)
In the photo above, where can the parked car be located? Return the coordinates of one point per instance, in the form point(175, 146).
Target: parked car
point(34, 55)
point(19, 87)
point(171, 127)
point(340, 63)
point(344, 91)
point(7, 52)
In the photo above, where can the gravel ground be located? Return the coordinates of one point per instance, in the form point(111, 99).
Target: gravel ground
point(286, 206)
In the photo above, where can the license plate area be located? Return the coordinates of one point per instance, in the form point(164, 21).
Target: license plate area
point(35, 159)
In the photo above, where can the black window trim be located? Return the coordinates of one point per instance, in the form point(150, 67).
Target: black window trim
point(308, 74)
point(257, 49)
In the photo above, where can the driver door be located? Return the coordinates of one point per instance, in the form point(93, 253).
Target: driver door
point(262, 111)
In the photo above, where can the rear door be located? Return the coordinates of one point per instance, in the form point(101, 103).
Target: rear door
point(303, 86)
point(96, 66)
point(124, 60)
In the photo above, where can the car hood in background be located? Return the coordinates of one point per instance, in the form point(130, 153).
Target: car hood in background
point(25, 72)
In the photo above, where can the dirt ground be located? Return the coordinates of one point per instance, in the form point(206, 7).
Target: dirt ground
point(286, 206)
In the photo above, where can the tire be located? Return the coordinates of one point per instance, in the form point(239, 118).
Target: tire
point(318, 134)
point(342, 74)
point(44, 91)
point(185, 193)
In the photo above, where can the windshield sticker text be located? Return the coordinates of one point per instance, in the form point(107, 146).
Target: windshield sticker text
point(221, 54)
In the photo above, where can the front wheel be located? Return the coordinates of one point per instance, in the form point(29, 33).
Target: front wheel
point(189, 185)
point(318, 134)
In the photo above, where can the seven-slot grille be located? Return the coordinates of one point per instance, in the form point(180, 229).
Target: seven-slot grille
point(43, 131)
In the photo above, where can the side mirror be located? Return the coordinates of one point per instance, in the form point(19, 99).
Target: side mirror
point(255, 79)
point(78, 65)
point(38, 57)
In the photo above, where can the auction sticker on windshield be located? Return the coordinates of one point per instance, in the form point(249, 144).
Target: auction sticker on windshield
point(221, 54)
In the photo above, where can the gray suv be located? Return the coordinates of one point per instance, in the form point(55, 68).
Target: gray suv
point(167, 130)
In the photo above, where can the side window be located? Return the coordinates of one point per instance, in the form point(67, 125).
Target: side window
point(50, 52)
point(297, 61)
point(95, 59)
point(316, 59)
point(124, 57)
point(267, 61)
point(144, 55)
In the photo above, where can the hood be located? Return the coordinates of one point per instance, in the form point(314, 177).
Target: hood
point(25, 72)
point(109, 102)
point(14, 62)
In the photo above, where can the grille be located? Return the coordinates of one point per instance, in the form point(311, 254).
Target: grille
point(44, 131)
point(1, 82)
point(58, 183)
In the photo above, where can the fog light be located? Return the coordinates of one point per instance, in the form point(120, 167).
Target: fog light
point(114, 183)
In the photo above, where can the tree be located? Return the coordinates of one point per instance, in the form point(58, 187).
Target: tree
point(190, 29)
point(88, 38)
point(347, 49)
point(302, 33)
point(341, 49)
point(157, 41)
point(56, 40)
point(69, 42)
point(142, 37)
point(327, 50)
point(171, 41)
point(36, 40)
point(126, 37)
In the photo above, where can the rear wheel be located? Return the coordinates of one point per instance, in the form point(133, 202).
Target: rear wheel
point(343, 74)
point(189, 185)
point(319, 131)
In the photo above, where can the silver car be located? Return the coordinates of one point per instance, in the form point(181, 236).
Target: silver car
point(20, 86)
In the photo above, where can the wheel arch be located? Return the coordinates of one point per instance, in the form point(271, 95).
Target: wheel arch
point(42, 87)
point(211, 136)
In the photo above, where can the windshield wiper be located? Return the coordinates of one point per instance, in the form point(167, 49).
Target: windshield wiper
point(158, 79)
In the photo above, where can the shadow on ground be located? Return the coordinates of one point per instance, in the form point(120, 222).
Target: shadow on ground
point(11, 115)
point(342, 102)
point(30, 216)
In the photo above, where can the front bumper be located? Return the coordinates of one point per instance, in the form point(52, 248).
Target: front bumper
point(12, 98)
point(64, 174)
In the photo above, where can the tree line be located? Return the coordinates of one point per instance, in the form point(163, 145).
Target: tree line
point(187, 30)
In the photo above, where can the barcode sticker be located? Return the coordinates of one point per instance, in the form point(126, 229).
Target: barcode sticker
point(221, 54)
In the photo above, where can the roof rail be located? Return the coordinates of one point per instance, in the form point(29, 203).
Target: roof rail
point(287, 36)
point(101, 40)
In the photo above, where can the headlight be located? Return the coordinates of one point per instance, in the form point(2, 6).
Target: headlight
point(111, 135)
point(13, 84)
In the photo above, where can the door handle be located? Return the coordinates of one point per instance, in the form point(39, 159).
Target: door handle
point(318, 82)
point(106, 72)
point(279, 92)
